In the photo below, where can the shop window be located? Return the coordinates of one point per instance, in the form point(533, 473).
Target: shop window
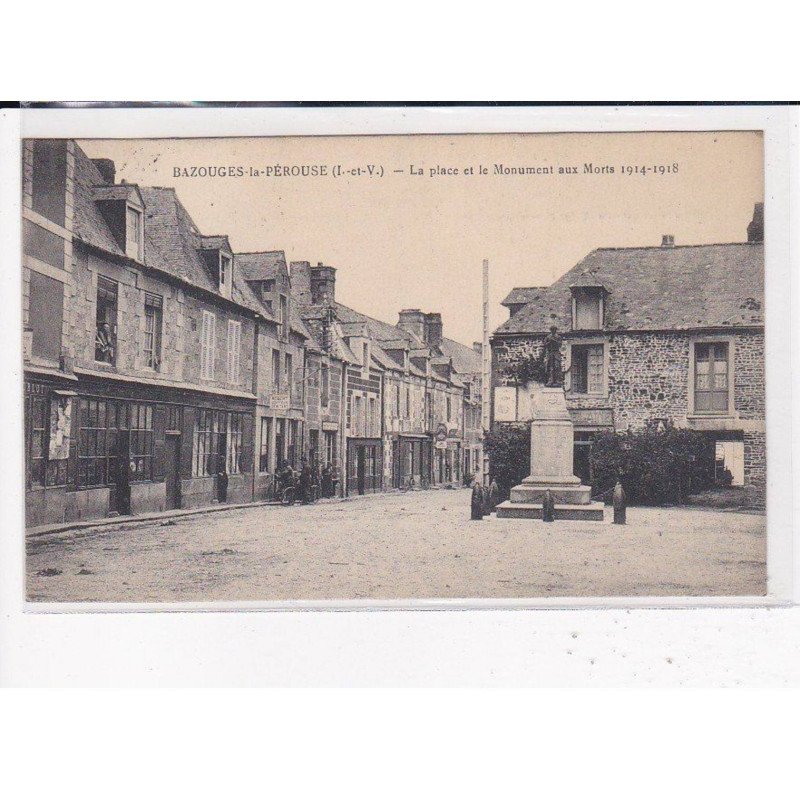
point(291, 443)
point(97, 444)
point(330, 447)
point(209, 429)
point(141, 442)
point(233, 460)
point(105, 343)
point(263, 453)
point(280, 442)
point(37, 439)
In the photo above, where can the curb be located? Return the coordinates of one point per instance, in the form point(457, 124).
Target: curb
point(178, 513)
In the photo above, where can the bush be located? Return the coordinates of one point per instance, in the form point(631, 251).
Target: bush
point(509, 451)
point(656, 466)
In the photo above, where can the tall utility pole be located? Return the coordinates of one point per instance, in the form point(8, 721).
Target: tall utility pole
point(486, 377)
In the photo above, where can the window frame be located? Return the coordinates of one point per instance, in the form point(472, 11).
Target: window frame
point(152, 357)
point(225, 270)
point(208, 345)
point(137, 213)
point(712, 339)
point(587, 342)
point(265, 442)
point(589, 293)
point(234, 351)
point(107, 287)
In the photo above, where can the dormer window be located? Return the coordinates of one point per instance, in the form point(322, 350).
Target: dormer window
point(224, 271)
point(365, 355)
point(588, 307)
point(133, 233)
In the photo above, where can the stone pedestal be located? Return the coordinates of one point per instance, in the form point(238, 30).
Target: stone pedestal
point(551, 466)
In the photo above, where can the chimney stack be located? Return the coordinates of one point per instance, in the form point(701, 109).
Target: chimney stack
point(433, 329)
point(755, 230)
point(106, 168)
point(668, 240)
point(478, 347)
point(413, 321)
point(323, 284)
point(300, 280)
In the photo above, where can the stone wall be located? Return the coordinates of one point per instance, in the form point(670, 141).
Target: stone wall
point(649, 378)
point(181, 327)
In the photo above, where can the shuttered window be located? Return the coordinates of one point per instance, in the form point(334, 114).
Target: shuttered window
point(208, 343)
point(587, 370)
point(234, 350)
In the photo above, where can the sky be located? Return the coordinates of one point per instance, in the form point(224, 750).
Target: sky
point(413, 231)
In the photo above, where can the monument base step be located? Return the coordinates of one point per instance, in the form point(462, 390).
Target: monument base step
point(591, 512)
point(570, 495)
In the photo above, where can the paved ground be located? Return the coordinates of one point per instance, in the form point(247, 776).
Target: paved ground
point(416, 545)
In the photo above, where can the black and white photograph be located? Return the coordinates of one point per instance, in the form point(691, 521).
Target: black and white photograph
point(395, 367)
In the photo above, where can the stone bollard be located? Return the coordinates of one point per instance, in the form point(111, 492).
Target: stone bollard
point(548, 507)
point(619, 504)
point(476, 501)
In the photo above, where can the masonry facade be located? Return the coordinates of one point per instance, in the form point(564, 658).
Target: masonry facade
point(165, 370)
point(653, 335)
point(124, 412)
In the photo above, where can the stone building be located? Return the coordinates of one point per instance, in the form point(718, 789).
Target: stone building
point(328, 361)
point(653, 334)
point(282, 374)
point(139, 344)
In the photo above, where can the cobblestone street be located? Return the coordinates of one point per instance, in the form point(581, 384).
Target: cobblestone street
point(417, 545)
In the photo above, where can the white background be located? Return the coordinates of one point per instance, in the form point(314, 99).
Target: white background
point(602, 647)
point(232, 744)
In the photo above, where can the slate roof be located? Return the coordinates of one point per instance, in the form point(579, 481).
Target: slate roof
point(88, 223)
point(657, 288)
point(171, 239)
point(465, 359)
point(117, 191)
point(382, 331)
point(215, 243)
point(521, 295)
point(264, 266)
point(260, 266)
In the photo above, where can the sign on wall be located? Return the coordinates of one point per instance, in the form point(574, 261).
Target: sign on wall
point(505, 404)
point(279, 401)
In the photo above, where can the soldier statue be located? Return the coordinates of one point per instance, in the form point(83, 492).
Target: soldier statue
point(554, 375)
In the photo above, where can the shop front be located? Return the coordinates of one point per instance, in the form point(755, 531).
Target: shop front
point(410, 461)
point(364, 466)
point(106, 448)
